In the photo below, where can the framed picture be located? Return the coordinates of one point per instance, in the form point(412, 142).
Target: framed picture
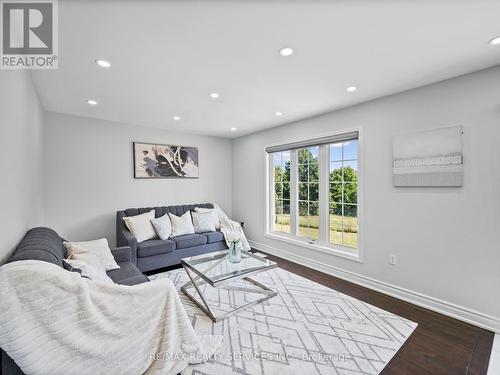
point(428, 158)
point(165, 161)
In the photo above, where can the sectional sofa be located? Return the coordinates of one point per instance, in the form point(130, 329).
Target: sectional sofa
point(44, 244)
point(154, 254)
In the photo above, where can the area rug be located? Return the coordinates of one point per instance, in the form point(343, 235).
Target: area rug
point(306, 329)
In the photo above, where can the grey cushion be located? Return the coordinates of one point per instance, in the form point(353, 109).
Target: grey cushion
point(127, 274)
point(214, 236)
point(40, 244)
point(174, 257)
point(154, 247)
point(189, 240)
point(122, 254)
point(133, 280)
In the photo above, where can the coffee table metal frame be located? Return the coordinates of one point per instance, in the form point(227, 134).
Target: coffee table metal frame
point(198, 278)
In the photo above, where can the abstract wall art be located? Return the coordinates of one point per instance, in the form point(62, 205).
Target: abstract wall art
point(165, 161)
point(428, 158)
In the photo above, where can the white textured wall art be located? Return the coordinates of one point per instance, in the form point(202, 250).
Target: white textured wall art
point(428, 158)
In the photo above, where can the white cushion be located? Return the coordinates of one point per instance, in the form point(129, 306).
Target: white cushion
point(181, 225)
point(88, 250)
point(163, 226)
point(140, 226)
point(212, 212)
point(203, 222)
point(218, 213)
point(91, 269)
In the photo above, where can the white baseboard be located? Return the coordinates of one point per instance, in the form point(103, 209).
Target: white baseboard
point(435, 304)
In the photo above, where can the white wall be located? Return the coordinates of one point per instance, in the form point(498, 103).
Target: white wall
point(21, 118)
point(447, 240)
point(88, 174)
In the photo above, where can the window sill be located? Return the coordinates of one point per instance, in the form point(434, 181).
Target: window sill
point(318, 247)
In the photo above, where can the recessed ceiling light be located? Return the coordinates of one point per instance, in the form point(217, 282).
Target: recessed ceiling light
point(176, 118)
point(233, 129)
point(495, 41)
point(278, 114)
point(214, 95)
point(103, 63)
point(91, 102)
point(351, 89)
point(286, 51)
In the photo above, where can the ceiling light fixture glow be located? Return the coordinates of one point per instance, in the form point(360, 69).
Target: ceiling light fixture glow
point(278, 114)
point(214, 95)
point(286, 51)
point(233, 129)
point(103, 63)
point(495, 41)
point(351, 89)
point(91, 102)
point(176, 118)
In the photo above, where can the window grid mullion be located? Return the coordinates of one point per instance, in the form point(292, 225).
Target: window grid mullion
point(282, 197)
point(308, 200)
point(323, 194)
point(294, 205)
point(343, 195)
point(272, 193)
point(281, 200)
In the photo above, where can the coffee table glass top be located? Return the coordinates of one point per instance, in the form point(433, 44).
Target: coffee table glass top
point(215, 268)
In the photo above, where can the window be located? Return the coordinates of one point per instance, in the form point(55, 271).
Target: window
point(308, 188)
point(314, 192)
point(343, 193)
point(281, 170)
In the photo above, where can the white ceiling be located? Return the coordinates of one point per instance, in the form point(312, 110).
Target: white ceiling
point(167, 56)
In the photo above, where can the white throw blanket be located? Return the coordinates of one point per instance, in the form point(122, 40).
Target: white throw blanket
point(229, 226)
point(56, 322)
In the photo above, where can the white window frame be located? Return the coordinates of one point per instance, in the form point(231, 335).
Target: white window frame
point(322, 244)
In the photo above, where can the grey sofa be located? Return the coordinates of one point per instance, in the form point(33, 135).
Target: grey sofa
point(154, 254)
point(45, 244)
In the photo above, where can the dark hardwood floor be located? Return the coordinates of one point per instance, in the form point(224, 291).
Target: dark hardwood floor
point(439, 345)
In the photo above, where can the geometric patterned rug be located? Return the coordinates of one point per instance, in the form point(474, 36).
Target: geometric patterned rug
point(306, 329)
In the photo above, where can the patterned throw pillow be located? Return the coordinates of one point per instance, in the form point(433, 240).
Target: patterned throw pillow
point(68, 267)
point(93, 270)
point(181, 225)
point(211, 211)
point(163, 226)
point(217, 212)
point(203, 222)
point(98, 249)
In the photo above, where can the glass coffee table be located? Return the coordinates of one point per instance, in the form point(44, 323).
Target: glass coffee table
point(216, 271)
